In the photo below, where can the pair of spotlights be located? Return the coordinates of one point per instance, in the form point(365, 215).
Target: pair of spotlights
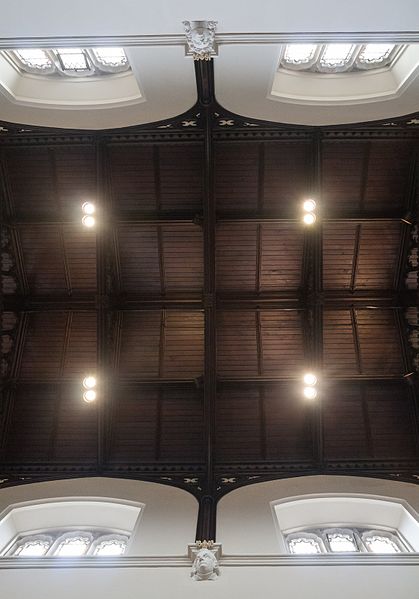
point(310, 380)
point(88, 219)
point(309, 207)
point(89, 383)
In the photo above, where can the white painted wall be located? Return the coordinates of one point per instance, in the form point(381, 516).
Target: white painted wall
point(95, 17)
point(306, 582)
point(166, 526)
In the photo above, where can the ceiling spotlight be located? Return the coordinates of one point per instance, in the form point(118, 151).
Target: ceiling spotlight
point(309, 218)
point(310, 379)
point(89, 395)
point(88, 221)
point(310, 392)
point(88, 208)
point(90, 381)
point(309, 205)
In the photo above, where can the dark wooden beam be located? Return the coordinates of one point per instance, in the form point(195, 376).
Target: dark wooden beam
point(315, 293)
point(278, 300)
point(206, 525)
point(104, 358)
point(355, 258)
point(330, 377)
point(204, 74)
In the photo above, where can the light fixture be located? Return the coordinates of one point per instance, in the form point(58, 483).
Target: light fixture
point(310, 379)
point(88, 221)
point(89, 382)
point(88, 208)
point(310, 392)
point(309, 205)
point(89, 395)
point(309, 218)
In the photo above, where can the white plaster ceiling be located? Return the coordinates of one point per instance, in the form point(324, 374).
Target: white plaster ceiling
point(244, 68)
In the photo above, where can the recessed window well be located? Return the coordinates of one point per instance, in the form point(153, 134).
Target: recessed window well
point(338, 58)
point(73, 543)
point(69, 62)
point(346, 540)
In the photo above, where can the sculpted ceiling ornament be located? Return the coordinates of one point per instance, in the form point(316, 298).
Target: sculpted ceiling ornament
point(200, 36)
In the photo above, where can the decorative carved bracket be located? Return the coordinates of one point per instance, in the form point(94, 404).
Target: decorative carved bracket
point(200, 36)
point(205, 556)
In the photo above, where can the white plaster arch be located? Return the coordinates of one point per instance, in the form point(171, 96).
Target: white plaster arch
point(247, 522)
point(162, 518)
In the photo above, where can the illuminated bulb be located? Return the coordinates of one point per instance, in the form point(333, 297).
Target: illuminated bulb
point(88, 221)
point(88, 208)
point(309, 218)
point(89, 395)
point(310, 379)
point(309, 205)
point(310, 392)
point(89, 382)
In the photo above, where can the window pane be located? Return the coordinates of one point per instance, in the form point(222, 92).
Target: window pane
point(304, 545)
point(336, 55)
point(110, 547)
point(381, 544)
point(35, 548)
point(375, 53)
point(73, 59)
point(299, 53)
point(111, 57)
point(34, 58)
point(341, 542)
point(73, 546)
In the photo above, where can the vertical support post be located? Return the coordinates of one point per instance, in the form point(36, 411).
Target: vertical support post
point(206, 524)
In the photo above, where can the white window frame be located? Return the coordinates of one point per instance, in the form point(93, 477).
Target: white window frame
point(15, 545)
point(306, 535)
point(395, 538)
point(104, 538)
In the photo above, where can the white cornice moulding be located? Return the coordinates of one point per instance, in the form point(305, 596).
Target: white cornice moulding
point(230, 561)
point(400, 37)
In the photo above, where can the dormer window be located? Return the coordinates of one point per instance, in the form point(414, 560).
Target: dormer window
point(338, 58)
point(69, 62)
point(345, 540)
point(73, 59)
point(34, 60)
point(73, 543)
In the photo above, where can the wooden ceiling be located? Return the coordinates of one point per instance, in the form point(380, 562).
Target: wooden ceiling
point(200, 299)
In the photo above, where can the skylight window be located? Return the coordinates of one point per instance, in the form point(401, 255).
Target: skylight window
point(111, 546)
point(110, 57)
point(34, 58)
point(300, 54)
point(341, 541)
point(73, 546)
point(73, 59)
point(35, 547)
point(337, 58)
point(382, 542)
point(304, 544)
point(345, 540)
point(374, 55)
point(74, 543)
point(69, 62)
